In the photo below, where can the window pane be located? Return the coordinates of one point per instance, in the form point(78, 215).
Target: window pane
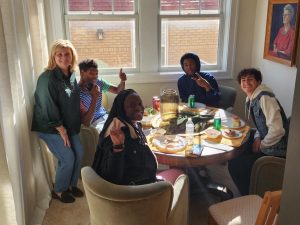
point(103, 6)
point(78, 5)
point(181, 36)
point(176, 7)
point(111, 43)
point(169, 5)
point(124, 5)
point(209, 6)
point(114, 6)
point(190, 7)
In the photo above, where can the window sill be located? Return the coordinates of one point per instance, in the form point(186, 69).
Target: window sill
point(156, 77)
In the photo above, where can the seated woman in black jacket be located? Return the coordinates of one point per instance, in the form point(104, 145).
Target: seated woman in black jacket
point(123, 156)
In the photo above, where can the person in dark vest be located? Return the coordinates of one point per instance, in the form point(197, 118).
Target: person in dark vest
point(271, 133)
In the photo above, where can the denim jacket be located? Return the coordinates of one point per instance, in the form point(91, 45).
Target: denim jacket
point(259, 118)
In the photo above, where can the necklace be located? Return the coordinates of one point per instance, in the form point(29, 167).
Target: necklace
point(69, 86)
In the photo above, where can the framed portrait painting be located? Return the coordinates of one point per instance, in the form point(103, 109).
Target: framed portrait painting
point(282, 31)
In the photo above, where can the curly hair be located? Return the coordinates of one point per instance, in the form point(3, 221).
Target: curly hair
point(86, 64)
point(249, 71)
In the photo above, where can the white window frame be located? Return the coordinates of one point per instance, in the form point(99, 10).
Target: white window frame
point(94, 16)
point(148, 42)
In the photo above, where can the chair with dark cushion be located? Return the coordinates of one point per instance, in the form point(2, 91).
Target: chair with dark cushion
point(267, 175)
point(228, 95)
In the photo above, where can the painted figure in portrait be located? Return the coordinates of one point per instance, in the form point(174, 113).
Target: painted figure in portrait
point(283, 33)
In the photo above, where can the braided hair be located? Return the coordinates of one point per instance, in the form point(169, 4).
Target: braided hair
point(118, 111)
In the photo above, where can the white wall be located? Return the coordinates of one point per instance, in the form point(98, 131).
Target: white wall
point(282, 79)
point(289, 207)
point(279, 77)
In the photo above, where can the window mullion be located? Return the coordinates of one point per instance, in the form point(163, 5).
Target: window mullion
point(90, 6)
point(180, 7)
point(148, 35)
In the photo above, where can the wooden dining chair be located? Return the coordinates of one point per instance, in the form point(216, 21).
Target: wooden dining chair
point(269, 208)
point(246, 210)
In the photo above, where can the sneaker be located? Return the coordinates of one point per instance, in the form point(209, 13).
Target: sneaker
point(76, 192)
point(65, 197)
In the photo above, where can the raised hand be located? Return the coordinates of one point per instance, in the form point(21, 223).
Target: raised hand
point(202, 83)
point(122, 75)
point(95, 91)
point(116, 134)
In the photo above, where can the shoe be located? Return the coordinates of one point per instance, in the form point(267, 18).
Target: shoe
point(76, 192)
point(65, 197)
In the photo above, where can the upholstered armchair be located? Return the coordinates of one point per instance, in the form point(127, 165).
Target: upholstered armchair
point(157, 203)
point(228, 95)
point(267, 175)
point(89, 139)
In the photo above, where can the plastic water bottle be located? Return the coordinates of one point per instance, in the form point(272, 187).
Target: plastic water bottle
point(189, 131)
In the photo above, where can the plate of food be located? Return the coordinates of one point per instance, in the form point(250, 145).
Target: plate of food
point(147, 121)
point(198, 108)
point(231, 134)
point(169, 143)
point(157, 132)
point(212, 133)
point(233, 123)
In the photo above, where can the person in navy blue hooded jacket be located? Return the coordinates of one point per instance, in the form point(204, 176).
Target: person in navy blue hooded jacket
point(203, 85)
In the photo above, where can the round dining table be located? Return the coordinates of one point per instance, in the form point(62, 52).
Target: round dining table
point(214, 151)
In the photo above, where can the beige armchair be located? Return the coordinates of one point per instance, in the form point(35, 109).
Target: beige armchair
point(157, 203)
point(89, 140)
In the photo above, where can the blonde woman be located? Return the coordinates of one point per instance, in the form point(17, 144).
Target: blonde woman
point(56, 118)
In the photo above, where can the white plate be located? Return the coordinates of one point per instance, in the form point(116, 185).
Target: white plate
point(238, 134)
point(212, 133)
point(169, 143)
point(227, 123)
point(197, 105)
point(147, 120)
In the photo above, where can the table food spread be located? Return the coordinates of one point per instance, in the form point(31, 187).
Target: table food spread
point(169, 136)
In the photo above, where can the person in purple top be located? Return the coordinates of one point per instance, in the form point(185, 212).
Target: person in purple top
point(92, 112)
point(203, 85)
